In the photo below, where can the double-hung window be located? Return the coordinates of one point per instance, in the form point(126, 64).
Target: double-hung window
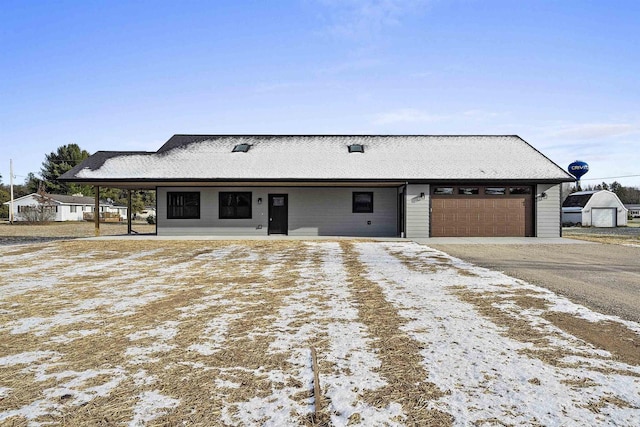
point(234, 205)
point(183, 205)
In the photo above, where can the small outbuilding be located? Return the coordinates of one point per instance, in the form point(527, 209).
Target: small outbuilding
point(594, 209)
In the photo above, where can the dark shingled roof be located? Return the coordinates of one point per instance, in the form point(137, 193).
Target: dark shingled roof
point(95, 161)
point(576, 200)
point(72, 200)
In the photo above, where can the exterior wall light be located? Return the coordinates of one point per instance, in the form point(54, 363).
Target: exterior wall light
point(259, 200)
point(422, 195)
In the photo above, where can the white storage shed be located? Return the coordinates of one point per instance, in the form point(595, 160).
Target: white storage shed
point(594, 209)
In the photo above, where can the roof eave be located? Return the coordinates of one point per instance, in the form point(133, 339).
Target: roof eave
point(150, 183)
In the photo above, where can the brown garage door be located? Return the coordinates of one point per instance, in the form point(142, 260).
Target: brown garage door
point(481, 211)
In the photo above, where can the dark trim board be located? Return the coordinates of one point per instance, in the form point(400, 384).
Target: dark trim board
point(148, 184)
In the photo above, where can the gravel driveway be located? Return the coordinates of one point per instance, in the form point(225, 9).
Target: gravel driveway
point(605, 278)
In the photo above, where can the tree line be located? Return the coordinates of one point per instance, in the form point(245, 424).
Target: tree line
point(57, 163)
point(627, 195)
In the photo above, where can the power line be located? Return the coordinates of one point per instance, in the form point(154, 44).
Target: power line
point(609, 177)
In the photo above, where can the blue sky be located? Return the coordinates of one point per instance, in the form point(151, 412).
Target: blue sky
point(108, 75)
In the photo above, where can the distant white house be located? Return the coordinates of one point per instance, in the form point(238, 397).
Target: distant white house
point(63, 207)
point(634, 210)
point(594, 209)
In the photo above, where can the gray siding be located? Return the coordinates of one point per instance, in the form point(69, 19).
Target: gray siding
point(313, 211)
point(572, 217)
point(417, 224)
point(548, 211)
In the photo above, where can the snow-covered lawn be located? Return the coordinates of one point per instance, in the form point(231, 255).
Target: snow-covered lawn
point(219, 333)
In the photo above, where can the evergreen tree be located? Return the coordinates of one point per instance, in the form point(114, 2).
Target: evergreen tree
point(32, 183)
point(59, 162)
point(4, 197)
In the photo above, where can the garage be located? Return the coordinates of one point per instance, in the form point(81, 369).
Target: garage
point(603, 217)
point(481, 211)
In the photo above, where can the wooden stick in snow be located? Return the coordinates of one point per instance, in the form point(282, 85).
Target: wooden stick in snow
point(316, 383)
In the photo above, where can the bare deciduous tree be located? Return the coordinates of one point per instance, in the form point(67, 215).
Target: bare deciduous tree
point(43, 211)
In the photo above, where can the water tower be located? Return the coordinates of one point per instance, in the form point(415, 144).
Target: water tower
point(577, 169)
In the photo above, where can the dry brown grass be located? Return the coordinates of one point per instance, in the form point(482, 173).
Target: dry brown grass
point(217, 279)
point(608, 239)
point(245, 347)
point(204, 322)
point(68, 229)
point(621, 342)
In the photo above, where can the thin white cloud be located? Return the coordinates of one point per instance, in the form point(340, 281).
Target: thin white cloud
point(359, 19)
point(481, 114)
point(408, 115)
point(593, 130)
point(279, 86)
point(353, 65)
point(412, 115)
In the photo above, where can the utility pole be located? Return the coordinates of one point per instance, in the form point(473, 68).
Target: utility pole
point(11, 185)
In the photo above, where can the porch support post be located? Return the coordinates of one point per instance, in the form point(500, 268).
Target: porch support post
point(128, 211)
point(96, 209)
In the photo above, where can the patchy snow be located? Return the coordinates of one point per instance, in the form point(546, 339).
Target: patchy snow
point(142, 378)
point(76, 388)
point(22, 287)
point(74, 391)
point(151, 405)
point(27, 358)
point(146, 354)
point(226, 384)
point(163, 332)
point(487, 375)
point(355, 364)
point(73, 335)
point(41, 325)
point(32, 411)
point(215, 334)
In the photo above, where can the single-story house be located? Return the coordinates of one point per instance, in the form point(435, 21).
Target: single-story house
point(62, 207)
point(600, 208)
point(634, 210)
point(340, 185)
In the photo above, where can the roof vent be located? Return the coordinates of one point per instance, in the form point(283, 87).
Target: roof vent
point(356, 148)
point(241, 148)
